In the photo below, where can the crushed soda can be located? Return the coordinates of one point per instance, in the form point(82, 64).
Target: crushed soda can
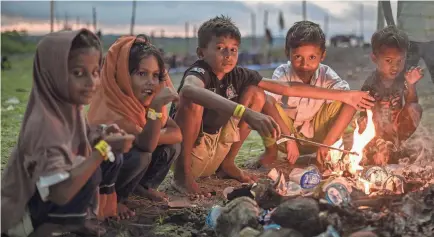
point(307, 178)
point(338, 192)
point(395, 184)
point(376, 175)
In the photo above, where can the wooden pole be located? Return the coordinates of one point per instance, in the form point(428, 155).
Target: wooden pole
point(362, 26)
point(326, 24)
point(253, 30)
point(94, 18)
point(187, 26)
point(380, 16)
point(65, 24)
point(387, 11)
point(133, 18)
point(52, 16)
point(194, 31)
point(265, 19)
point(153, 36)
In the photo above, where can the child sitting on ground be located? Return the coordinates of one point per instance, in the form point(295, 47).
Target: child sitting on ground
point(396, 113)
point(221, 101)
point(134, 93)
point(57, 165)
point(317, 120)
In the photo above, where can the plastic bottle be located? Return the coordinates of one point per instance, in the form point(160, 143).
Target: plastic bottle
point(214, 213)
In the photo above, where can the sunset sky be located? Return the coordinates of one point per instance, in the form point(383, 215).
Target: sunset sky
point(114, 17)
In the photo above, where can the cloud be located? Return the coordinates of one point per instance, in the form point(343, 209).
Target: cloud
point(159, 12)
point(115, 17)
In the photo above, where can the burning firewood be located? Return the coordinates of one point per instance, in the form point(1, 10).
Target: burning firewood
point(390, 200)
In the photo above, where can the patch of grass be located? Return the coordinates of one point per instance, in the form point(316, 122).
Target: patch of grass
point(14, 83)
point(14, 42)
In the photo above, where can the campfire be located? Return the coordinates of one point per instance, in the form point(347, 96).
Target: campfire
point(347, 170)
point(390, 200)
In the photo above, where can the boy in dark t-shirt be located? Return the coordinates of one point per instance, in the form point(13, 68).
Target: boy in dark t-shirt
point(220, 102)
point(396, 113)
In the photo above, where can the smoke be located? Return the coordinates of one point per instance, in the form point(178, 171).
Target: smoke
point(419, 148)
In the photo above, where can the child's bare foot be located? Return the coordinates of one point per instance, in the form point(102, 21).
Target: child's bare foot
point(190, 188)
point(245, 178)
point(124, 212)
point(269, 156)
point(151, 194)
point(90, 228)
point(232, 171)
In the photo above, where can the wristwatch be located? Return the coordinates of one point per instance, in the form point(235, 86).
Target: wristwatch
point(152, 115)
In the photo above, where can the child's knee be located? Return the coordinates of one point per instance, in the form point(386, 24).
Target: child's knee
point(118, 162)
point(174, 152)
point(188, 108)
point(415, 109)
point(408, 120)
point(253, 96)
point(144, 160)
point(334, 108)
point(414, 112)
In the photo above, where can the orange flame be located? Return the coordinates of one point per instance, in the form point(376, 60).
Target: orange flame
point(366, 185)
point(359, 142)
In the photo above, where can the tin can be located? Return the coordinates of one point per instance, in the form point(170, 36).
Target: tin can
point(307, 178)
point(337, 194)
point(375, 175)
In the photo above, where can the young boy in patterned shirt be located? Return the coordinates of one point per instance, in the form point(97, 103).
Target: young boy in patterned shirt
point(396, 113)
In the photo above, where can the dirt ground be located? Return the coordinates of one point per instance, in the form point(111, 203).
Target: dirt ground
point(157, 219)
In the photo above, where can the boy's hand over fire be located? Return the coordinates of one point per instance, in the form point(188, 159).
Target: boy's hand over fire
point(360, 100)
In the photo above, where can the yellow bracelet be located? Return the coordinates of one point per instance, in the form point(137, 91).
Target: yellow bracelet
point(236, 110)
point(153, 115)
point(239, 111)
point(104, 148)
